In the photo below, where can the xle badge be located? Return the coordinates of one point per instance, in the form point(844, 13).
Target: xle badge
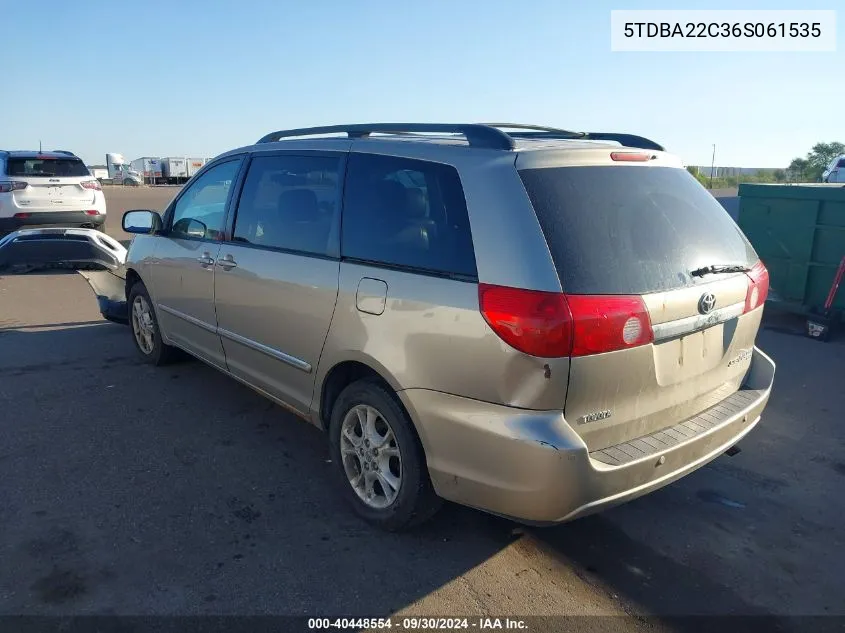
point(743, 355)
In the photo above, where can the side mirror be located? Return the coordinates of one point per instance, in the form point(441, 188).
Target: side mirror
point(196, 229)
point(141, 221)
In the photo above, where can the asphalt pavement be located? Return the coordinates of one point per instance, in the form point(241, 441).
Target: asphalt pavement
point(132, 490)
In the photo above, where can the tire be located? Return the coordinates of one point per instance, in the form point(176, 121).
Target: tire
point(392, 510)
point(151, 347)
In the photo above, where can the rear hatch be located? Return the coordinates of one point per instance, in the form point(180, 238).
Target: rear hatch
point(631, 237)
point(54, 184)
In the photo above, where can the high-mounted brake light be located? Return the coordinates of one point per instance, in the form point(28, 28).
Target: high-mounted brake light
point(12, 185)
point(552, 325)
point(630, 157)
point(758, 287)
point(92, 184)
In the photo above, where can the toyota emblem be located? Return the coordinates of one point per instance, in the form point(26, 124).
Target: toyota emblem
point(706, 303)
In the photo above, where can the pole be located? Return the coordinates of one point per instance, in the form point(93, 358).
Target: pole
point(712, 165)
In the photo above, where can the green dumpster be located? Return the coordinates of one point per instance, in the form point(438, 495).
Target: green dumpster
point(799, 233)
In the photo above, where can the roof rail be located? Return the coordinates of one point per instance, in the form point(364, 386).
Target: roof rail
point(477, 135)
point(485, 135)
point(540, 131)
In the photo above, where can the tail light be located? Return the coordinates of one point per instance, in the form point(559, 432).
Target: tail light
point(536, 323)
point(608, 323)
point(758, 287)
point(551, 325)
point(92, 212)
point(92, 184)
point(11, 185)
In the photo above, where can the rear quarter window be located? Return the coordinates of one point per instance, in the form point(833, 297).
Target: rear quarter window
point(631, 229)
point(406, 213)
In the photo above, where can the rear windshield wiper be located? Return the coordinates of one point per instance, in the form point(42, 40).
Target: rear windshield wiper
point(719, 268)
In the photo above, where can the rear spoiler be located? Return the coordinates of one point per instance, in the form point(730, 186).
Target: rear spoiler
point(628, 140)
point(523, 130)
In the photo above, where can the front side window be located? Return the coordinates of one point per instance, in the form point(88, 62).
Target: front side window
point(407, 213)
point(200, 210)
point(291, 203)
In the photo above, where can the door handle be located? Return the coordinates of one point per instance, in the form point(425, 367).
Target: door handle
point(206, 259)
point(227, 262)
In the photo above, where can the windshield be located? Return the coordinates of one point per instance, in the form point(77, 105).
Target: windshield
point(631, 230)
point(46, 167)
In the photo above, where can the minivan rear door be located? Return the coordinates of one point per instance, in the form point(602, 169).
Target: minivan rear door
point(276, 278)
point(647, 229)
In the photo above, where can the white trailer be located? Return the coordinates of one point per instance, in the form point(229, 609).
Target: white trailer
point(149, 167)
point(100, 173)
point(174, 170)
point(194, 165)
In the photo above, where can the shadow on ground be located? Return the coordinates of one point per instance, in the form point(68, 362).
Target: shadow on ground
point(132, 489)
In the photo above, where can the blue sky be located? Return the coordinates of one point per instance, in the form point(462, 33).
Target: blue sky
point(164, 78)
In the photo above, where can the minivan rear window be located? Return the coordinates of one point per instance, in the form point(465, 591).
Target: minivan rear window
point(46, 167)
point(631, 229)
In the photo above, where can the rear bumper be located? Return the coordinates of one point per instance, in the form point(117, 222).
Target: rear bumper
point(47, 219)
point(531, 465)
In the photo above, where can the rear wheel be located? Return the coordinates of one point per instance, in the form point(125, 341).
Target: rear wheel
point(378, 458)
point(146, 333)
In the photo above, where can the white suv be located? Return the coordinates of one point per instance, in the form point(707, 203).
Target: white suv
point(46, 189)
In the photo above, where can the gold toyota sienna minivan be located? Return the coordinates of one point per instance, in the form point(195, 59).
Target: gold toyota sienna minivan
point(534, 322)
